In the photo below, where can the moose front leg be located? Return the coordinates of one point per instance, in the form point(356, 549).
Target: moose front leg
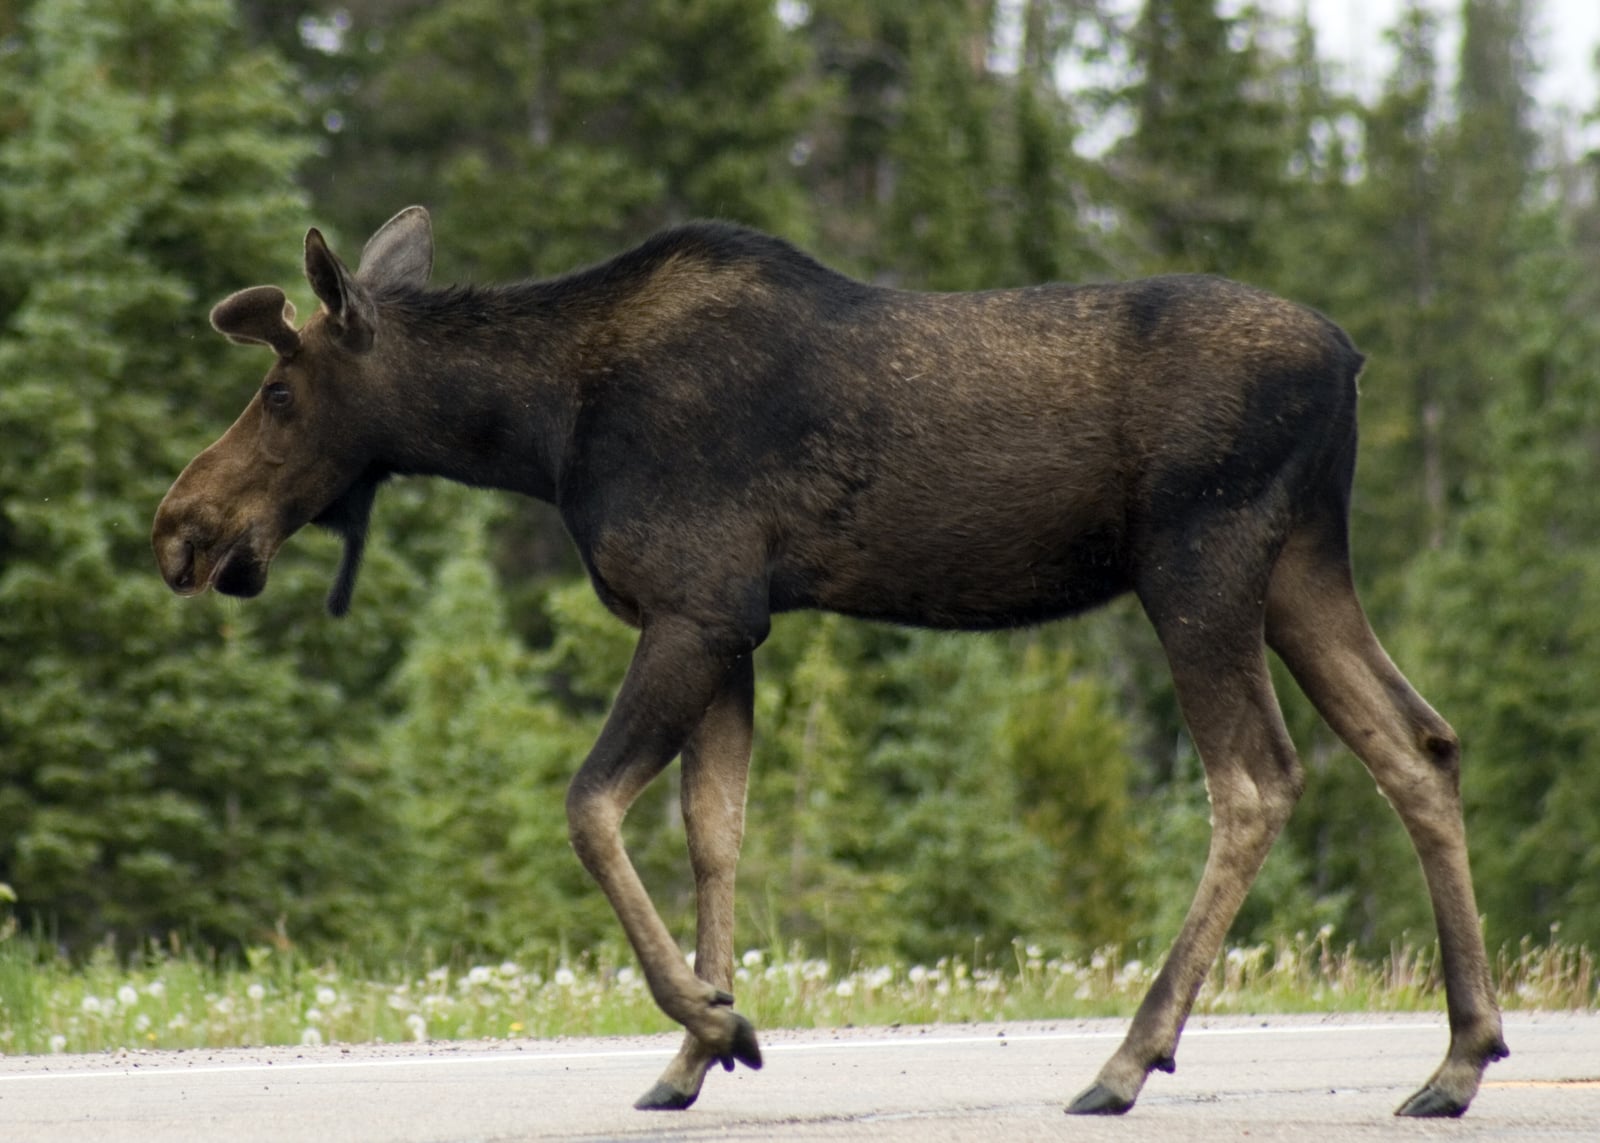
point(678, 679)
point(716, 768)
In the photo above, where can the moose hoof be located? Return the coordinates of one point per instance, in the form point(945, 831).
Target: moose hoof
point(1099, 1100)
point(665, 1097)
point(742, 1048)
point(1431, 1103)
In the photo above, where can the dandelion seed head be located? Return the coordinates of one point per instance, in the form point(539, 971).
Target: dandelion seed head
point(127, 996)
point(327, 997)
point(58, 1043)
point(565, 977)
point(256, 992)
point(752, 958)
point(311, 1038)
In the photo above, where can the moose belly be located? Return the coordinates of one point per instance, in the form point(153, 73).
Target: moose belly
point(966, 569)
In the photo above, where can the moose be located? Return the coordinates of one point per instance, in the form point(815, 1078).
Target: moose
point(731, 430)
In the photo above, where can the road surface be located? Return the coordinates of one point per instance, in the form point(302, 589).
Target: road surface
point(1326, 1078)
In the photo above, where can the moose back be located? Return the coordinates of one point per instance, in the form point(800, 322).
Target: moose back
point(730, 430)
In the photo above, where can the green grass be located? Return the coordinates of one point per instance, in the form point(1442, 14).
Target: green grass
point(190, 1001)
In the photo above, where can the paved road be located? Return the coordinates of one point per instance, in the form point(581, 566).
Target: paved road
point(1298, 1077)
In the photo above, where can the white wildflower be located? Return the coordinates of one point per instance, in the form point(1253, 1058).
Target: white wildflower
point(311, 1038)
point(565, 977)
point(127, 996)
point(58, 1043)
point(752, 958)
point(327, 997)
point(256, 993)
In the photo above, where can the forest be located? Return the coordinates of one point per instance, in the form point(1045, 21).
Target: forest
point(233, 774)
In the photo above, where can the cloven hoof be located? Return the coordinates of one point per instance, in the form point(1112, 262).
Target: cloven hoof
point(1098, 1100)
point(1431, 1103)
point(743, 1047)
point(665, 1097)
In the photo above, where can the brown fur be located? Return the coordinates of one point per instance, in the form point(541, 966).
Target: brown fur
point(731, 430)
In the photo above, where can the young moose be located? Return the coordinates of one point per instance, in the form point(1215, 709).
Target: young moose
point(731, 430)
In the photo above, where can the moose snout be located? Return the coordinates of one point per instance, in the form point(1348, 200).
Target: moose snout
point(176, 558)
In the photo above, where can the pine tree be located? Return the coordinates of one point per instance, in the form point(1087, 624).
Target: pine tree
point(1207, 150)
point(160, 773)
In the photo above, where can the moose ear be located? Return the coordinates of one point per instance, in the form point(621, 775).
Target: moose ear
point(261, 315)
point(400, 253)
point(349, 305)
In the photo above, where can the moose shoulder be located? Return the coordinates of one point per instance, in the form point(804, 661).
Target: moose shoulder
point(730, 429)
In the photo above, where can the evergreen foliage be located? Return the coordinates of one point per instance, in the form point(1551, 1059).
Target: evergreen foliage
point(250, 773)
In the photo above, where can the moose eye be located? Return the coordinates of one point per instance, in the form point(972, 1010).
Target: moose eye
point(277, 395)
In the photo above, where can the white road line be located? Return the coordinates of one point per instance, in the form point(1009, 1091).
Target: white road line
point(165, 1069)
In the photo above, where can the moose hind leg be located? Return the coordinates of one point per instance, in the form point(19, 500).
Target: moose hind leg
point(716, 765)
point(1316, 624)
point(1253, 779)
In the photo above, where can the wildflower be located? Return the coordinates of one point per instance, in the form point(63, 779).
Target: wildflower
point(480, 974)
point(91, 1005)
point(256, 992)
point(327, 997)
point(510, 968)
point(311, 1038)
point(918, 974)
point(58, 1043)
point(752, 958)
point(156, 989)
point(313, 1015)
point(141, 1023)
point(845, 988)
point(127, 996)
point(417, 1026)
point(565, 977)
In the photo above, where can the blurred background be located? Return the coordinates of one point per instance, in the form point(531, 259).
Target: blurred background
point(232, 774)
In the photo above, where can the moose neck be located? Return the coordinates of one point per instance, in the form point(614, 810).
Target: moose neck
point(483, 384)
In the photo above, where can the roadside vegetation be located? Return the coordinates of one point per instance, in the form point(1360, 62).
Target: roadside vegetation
point(165, 999)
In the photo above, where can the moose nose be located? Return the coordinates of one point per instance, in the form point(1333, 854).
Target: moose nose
point(176, 558)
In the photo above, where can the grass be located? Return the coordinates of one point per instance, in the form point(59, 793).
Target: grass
point(189, 1001)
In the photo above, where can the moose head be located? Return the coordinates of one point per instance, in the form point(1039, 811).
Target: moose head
point(303, 450)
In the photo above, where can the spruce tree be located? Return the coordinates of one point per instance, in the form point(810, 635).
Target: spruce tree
point(160, 772)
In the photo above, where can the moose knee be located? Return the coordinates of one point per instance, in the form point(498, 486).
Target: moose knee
point(592, 819)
